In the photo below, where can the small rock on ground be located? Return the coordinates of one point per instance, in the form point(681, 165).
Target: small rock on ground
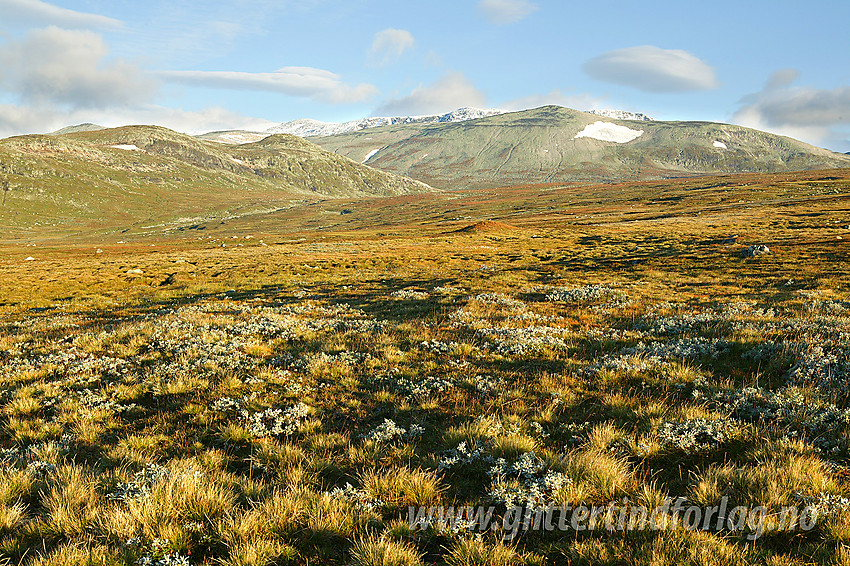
point(756, 250)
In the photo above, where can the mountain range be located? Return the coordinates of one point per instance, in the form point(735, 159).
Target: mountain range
point(307, 127)
point(552, 144)
point(89, 178)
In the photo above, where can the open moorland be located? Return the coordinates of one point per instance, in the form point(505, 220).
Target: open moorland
point(279, 388)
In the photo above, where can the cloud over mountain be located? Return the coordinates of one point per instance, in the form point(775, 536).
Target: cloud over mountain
point(309, 82)
point(822, 115)
point(389, 45)
point(70, 67)
point(652, 69)
point(450, 92)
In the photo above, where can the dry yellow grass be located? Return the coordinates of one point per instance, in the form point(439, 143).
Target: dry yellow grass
point(198, 367)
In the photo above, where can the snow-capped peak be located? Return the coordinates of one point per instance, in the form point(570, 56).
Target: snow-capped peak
point(468, 113)
point(308, 128)
point(622, 115)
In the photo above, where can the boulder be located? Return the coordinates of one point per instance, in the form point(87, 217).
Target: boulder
point(756, 250)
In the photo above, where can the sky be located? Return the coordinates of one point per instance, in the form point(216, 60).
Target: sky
point(777, 65)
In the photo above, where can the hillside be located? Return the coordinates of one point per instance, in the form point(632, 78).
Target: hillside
point(545, 145)
point(144, 176)
point(87, 127)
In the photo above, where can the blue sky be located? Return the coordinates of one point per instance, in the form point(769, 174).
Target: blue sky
point(778, 65)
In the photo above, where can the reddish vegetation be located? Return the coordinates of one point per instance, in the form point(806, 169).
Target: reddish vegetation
point(486, 226)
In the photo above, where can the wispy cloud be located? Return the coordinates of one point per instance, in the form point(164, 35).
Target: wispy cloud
point(653, 69)
point(501, 12)
point(389, 45)
point(819, 116)
point(307, 82)
point(449, 93)
point(70, 68)
point(42, 13)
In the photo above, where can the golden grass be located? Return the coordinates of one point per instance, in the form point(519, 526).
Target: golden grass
point(267, 500)
point(373, 551)
point(474, 551)
point(401, 487)
point(776, 474)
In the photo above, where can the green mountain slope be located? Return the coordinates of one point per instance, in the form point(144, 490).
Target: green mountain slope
point(87, 127)
point(540, 146)
point(233, 136)
point(140, 176)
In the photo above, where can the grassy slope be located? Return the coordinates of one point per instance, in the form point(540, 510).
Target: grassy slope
point(538, 146)
point(87, 127)
point(78, 183)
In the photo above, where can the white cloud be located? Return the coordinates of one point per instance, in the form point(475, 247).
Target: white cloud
point(451, 92)
point(818, 116)
point(502, 12)
point(69, 67)
point(556, 97)
point(653, 69)
point(782, 78)
point(389, 45)
point(308, 82)
point(15, 120)
point(188, 121)
point(42, 13)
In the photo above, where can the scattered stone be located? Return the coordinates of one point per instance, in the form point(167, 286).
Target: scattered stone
point(135, 271)
point(756, 250)
point(99, 251)
point(30, 258)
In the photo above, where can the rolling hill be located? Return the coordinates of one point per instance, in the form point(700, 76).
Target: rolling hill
point(87, 127)
point(147, 176)
point(554, 144)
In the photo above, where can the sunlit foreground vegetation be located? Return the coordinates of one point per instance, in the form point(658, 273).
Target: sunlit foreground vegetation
point(284, 399)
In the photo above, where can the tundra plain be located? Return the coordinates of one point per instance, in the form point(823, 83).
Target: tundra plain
point(279, 388)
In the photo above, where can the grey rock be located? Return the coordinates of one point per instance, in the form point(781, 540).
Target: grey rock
point(756, 250)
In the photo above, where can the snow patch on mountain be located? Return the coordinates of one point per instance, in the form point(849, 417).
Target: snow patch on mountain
point(720, 144)
point(370, 155)
point(606, 131)
point(622, 115)
point(125, 147)
point(306, 128)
